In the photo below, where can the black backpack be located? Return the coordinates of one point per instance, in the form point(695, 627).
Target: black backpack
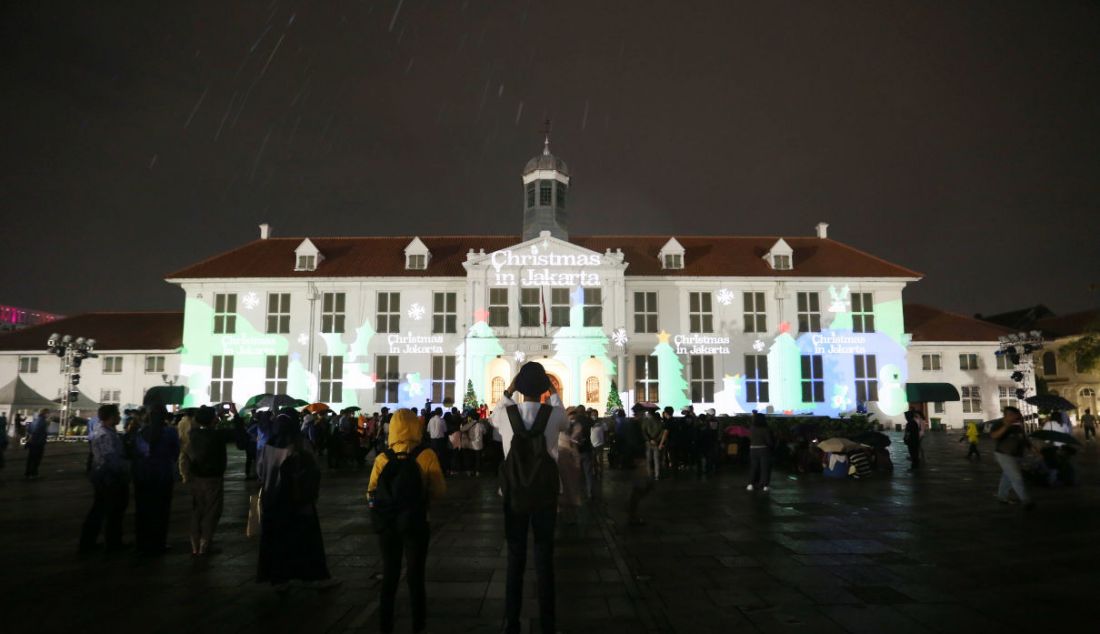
point(399, 499)
point(529, 475)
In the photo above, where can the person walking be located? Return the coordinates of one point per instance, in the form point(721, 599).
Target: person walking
point(1011, 445)
point(36, 444)
point(570, 467)
point(291, 544)
point(473, 442)
point(597, 437)
point(110, 477)
point(529, 432)
point(1088, 423)
point(403, 481)
point(912, 439)
point(656, 436)
point(156, 447)
point(437, 438)
point(972, 435)
point(204, 461)
point(761, 443)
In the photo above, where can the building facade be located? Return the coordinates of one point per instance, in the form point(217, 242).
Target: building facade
point(794, 324)
point(1068, 377)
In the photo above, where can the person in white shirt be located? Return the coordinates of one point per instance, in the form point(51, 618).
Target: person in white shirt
point(437, 437)
point(531, 381)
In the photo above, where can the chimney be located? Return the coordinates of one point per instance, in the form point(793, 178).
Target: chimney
point(823, 230)
point(265, 231)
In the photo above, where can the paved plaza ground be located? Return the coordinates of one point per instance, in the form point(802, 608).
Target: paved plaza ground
point(932, 552)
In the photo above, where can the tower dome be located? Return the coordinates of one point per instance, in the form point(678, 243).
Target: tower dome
point(546, 184)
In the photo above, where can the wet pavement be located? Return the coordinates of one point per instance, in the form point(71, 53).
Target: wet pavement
point(932, 552)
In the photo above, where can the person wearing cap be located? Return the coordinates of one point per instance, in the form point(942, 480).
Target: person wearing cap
point(532, 382)
point(204, 461)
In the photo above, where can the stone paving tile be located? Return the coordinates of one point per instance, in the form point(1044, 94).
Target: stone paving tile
point(900, 553)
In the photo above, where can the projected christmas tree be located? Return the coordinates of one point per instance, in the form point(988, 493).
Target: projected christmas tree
point(470, 400)
point(613, 400)
point(671, 385)
point(576, 343)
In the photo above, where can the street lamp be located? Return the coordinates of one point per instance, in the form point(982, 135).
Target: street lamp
point(72, 352)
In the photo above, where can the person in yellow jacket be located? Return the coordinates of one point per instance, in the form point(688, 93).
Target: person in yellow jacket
point(402, 523)
point(972, 435)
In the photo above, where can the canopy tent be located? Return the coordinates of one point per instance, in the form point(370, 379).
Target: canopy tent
point(19, 395)
point(930, 392)
point(82, 402)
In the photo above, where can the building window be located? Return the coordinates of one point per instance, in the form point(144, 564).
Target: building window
point(112, 365)
point(275, 379)
point(863, 312)
point(1004, 363)
point(389, 312)
point(971, 399)
point(1079, 364)
point(417, 262)
point(497, 391)
point(674, 261)
point(781, 262)
point(154, 364)
point(110, 397)
point(332, 379)
point(592, 390)
point(225, 313)
point(756, 378)
point(561, 196)
point(968, 361)
point(559, 307)
point(498, 307)
point(221, 379)
point(755, 318)
point(930, 362)
point(332, 312)
point(702, 378)
point(529, 307)
point(813, 379)
point(278, 313)
point(387, 376)
point(593, 308)
point(546, 191)
point(530, 196)
point(28, 365)
point(809, 312)
point(645, 311)
point(1006, 396)
point(700, 318)
point(866, 378)
point(645, 378)
point(443, 378)
point(1050, 364)
point(444, 312)
point(937, 408)
point(306, 263)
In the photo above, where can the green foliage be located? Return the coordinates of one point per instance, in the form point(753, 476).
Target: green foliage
point(470, 400)
point(613, 400)
point(1084, 351)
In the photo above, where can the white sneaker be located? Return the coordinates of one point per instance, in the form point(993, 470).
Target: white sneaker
point(748, 488)
point(765, 489)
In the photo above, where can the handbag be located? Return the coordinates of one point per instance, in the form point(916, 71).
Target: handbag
point(255, 508)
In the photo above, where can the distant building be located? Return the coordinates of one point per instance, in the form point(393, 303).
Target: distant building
point(1066, 377)
point(951, 348)
point(136, 352)
point(14, 318)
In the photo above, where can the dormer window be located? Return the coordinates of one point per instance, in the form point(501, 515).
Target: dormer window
point(674, 261)
point(306, 263)
point(672, 255)
point(306, 256)
point(780, 256)
point(417, 255)
point(781, 262)
point(417, 262)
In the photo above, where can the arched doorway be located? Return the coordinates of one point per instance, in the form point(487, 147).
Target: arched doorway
point(554, 381)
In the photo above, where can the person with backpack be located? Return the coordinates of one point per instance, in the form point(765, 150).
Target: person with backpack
point(405, 478)
point(203, 463)
point(529, 481)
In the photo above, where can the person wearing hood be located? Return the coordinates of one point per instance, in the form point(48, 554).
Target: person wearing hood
point(156, 448)
point(203, 461)
point(405, 478)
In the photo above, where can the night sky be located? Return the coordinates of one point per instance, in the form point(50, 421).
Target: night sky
point(960, 139)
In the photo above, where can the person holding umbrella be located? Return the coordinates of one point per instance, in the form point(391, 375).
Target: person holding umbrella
point(1010, 447)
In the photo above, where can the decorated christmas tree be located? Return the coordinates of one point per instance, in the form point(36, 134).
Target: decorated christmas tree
point(671, 385)
point(613, 400)
point(470, 400)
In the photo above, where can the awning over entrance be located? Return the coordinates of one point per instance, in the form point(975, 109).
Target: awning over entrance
point(930, 392)
point(19, 395)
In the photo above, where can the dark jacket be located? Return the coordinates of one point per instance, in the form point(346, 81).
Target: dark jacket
point(761, 437)
point(205, 453)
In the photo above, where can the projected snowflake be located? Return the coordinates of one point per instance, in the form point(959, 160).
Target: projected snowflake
point(250, 301)
point(416, 312)
point(619, 337)
point(724, 296)
point(758, 345)
point(414, 384)
point(520, 356)
point(303, 339)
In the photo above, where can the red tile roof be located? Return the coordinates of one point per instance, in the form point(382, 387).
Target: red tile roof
point(734, 256)
point(932, 324)
point(1069, 325)
point(112, 331)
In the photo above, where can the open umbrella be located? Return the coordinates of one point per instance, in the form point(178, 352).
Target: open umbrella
point(1049, 401)
point(1054, 436)
point(838, 445)
point(874, 439)
point(279, 401)
point(350, 410)
point(254, 402)
point(313, 408)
